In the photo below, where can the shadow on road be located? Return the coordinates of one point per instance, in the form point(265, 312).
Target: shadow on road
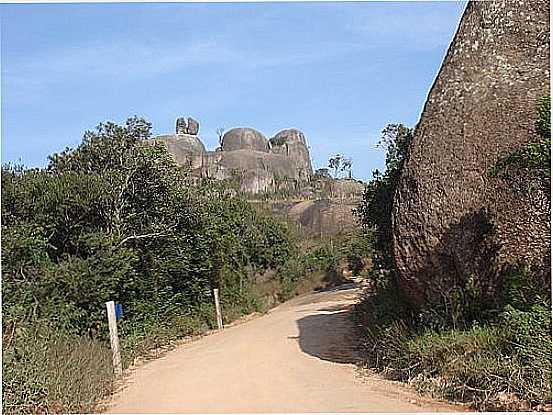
point(328, 335)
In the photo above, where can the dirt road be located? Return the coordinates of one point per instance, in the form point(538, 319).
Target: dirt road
point(297, 358)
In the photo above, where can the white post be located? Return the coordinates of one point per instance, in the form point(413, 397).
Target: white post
point(218, 309)
point(114, 338)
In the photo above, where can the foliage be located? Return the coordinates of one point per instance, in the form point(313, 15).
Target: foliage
point(322, 173)
point(375, 210)
point(509, 354)
point(322, 258)
point(340, 163)
point(357, 251)
point(524, 287)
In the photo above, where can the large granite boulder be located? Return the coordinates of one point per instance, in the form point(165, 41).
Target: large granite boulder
point(289, 136)
point(244, 152)
point(292, 144)
point(455, 225)
point(187, 149)
point(182, 126)
point(187, 126)
point(244, 139)
point(193, 126)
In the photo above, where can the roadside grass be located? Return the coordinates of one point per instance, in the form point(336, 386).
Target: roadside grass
point(45, 372)
point(500, 364)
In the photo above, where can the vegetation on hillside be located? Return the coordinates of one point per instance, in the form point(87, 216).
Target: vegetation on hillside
point(495, 358)
point(117, 219)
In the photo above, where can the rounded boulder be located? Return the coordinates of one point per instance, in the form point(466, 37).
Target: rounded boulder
point(244, 139)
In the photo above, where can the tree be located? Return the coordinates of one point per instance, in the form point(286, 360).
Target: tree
point(334, 163)
point(375, 210)
point(346, 166)
point(220, 132)
point(340, 163)
point(115, 219)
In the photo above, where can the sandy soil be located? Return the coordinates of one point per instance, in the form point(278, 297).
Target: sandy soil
point(297, 358)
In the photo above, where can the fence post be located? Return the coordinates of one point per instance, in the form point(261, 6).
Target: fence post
point(218, 309)
point(114, 338)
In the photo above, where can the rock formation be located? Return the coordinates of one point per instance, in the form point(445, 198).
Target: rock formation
point(187, 126)
point(193, 126)
point(184, 145)
point(279, 165)
point(245, 154)
point(454, 225)
point(292, 144)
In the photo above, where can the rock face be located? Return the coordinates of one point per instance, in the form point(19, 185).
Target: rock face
point(257, 171)
point(281, 164)
point(332, 214)
point(245, 154)
point(454, 224)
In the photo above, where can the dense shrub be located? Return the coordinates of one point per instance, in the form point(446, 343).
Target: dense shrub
point(509, 354)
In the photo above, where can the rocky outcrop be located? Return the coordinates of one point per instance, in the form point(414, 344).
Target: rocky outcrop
point(327, 211)
point(257, 171)
point(292, 144)
point(187, 126)
point(454, 225)
point(184, 145)
point(281, 166)
point(245, 154)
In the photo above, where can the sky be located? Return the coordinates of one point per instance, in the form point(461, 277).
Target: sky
point(339, 72)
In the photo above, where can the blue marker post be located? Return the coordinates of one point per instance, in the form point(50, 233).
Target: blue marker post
point(118, 311)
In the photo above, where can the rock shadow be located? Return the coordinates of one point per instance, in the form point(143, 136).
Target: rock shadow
point(329, 335)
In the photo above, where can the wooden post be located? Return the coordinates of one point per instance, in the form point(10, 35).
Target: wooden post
point(114, 338)
point(218, 309)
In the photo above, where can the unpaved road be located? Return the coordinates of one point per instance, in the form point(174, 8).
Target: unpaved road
point(297, 358)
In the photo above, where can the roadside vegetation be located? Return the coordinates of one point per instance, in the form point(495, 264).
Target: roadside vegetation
point(117, 219)
point(493, 356)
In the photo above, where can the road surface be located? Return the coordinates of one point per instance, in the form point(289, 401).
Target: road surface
point(297, 358)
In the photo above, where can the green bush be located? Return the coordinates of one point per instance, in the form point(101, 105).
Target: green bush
point(510, 353)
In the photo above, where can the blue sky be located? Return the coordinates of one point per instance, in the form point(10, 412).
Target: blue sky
point(337, 71)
